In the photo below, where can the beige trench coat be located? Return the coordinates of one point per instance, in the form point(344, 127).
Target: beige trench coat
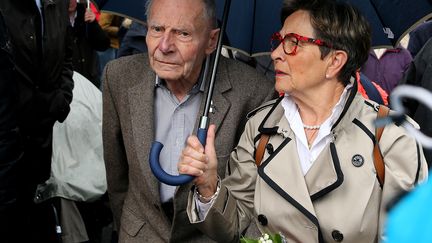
point(335, 201)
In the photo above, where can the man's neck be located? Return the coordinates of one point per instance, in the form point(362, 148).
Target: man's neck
point(180, 88)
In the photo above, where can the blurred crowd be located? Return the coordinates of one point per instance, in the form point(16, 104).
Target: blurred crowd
point(52, 172)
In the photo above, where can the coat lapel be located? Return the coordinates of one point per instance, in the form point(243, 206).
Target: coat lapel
point(141, 100)
point(220, 105)
point(285, 176)
point(325, 175)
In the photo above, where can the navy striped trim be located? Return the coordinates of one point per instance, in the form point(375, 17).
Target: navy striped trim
point(365, 129)
point(339, 173)
point(285, 195)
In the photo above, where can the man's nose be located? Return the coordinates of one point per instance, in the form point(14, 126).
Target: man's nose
point(166, 43)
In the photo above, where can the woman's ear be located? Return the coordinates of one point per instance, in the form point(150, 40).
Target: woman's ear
point(337, 59)
point(211, 46)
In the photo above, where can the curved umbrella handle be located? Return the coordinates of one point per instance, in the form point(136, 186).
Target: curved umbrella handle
point(160, 174)
point(420, 94)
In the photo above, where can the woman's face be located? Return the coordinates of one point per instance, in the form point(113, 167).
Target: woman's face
point(305, 71)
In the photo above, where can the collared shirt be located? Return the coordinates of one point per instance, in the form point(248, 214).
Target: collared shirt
point(308, 156)
point(174, 122)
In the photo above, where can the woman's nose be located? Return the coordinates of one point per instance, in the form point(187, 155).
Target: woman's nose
point(277, 53)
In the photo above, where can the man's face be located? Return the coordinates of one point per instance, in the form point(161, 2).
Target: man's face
point(179, 38)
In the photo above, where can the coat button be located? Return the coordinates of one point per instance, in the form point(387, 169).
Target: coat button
point(262, 219)
point(269, 148)
point(337, 236)
point(357, 160)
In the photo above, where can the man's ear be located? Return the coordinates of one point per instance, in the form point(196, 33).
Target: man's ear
point(211, 46)
point(337, 60)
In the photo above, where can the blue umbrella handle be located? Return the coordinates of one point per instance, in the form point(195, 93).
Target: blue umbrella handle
point(160, 174)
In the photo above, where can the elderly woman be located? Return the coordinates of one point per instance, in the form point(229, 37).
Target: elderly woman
point(317, 181)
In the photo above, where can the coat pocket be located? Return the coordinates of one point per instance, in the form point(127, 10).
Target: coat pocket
point(130, 223)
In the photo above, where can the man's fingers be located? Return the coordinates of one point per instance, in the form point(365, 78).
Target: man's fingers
point(193, 142)
point(191, 166)
point(194, 154)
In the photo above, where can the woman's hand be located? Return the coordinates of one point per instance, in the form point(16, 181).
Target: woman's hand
point(201, 163)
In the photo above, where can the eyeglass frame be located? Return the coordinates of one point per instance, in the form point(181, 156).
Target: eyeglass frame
point(278, 37)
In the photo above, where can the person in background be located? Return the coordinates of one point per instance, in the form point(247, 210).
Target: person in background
point(40, 38)
point(387, 66)
point(10, 149)
point(371, 90)
point(419, 74)
point(418, 37)
point(158, 96)
point(88, 37)
point(110, 23)
point(134, 40)
point(314, 179)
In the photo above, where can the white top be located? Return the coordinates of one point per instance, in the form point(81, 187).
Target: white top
point(308, 156)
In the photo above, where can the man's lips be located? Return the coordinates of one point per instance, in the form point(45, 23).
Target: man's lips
point(166, 62)
point(279, 72)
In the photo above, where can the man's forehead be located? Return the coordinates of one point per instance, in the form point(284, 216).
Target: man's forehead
point(179, 14)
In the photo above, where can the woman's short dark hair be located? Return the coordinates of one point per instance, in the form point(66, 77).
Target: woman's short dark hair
point(339, 24)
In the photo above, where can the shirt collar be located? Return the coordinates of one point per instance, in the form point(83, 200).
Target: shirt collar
point(292, 114)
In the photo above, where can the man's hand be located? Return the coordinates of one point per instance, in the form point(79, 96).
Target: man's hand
point(201, 163)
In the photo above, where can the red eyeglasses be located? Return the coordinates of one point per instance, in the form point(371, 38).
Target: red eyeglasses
point(290, 42)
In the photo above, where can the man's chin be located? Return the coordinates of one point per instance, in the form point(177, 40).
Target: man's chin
point(167, 75)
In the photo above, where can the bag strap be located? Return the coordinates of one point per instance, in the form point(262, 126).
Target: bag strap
point(383, 111)
point(259, 154)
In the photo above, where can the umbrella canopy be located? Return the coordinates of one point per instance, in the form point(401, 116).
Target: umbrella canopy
point(252, 22)
point(133, 9)
point(391, 20)
point(250, 25)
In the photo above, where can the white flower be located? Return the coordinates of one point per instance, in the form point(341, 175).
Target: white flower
point(266, 237)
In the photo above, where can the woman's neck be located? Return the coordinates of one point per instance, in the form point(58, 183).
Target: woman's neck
point(315, 108)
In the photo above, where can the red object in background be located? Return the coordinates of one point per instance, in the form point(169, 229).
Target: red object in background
point(363, 92)
point(95, 11)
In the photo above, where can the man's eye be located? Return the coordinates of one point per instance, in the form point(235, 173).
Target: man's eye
point(183, 33)
point(157, 28)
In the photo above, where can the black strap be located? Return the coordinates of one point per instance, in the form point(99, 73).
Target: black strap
point(371, 91)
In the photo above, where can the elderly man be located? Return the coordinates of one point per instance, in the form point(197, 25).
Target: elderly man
point(159, 98)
